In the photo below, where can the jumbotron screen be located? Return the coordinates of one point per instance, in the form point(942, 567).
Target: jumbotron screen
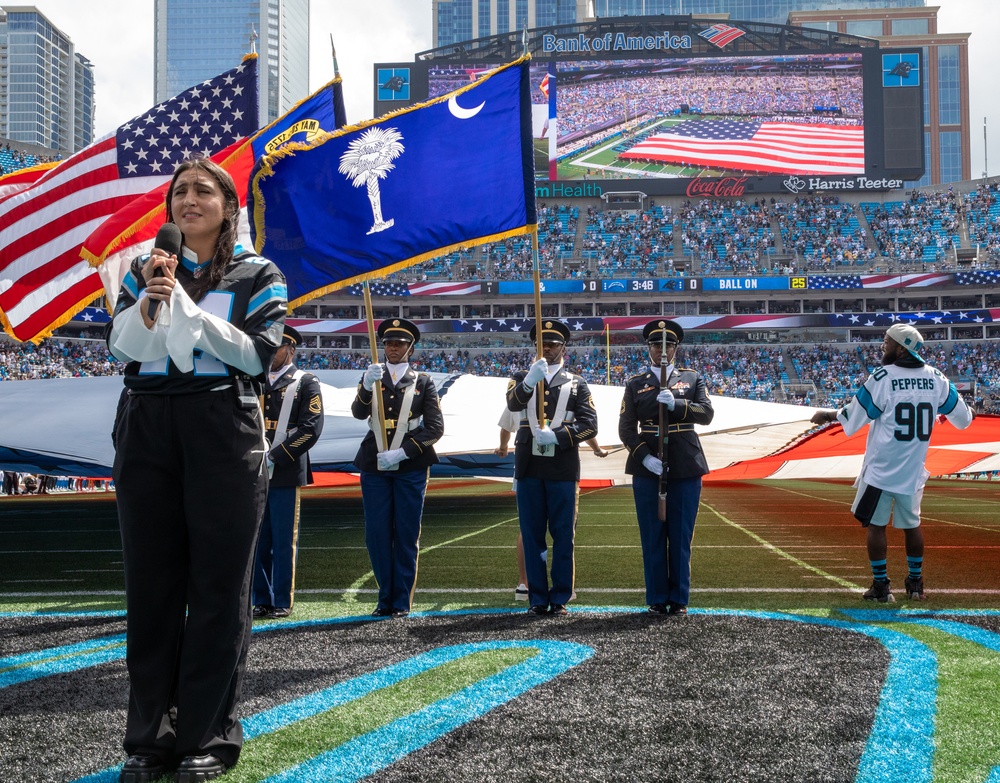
point(776, 122)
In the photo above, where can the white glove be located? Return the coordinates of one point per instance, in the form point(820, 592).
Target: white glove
point(389, 459)
point(666, 397)
point(653, 464)
point(546, 437)
point(270, 468)
point(372, 374)
point(536, 373)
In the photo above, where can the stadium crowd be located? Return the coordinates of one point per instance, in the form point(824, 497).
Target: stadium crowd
point(589, 105)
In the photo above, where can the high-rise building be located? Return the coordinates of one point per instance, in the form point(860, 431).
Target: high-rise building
point(896, 23)
point(46, 87)
point(195, 41)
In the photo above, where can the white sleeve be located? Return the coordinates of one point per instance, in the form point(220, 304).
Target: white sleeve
point(193, 328)
point(958, 413)
point(509, 420)
point(862, 409)
point(131, 341)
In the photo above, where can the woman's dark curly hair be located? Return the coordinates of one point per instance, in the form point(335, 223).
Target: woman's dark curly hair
point(226, 243)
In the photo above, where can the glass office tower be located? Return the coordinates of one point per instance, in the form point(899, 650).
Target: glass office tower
point(46, 88)
point(195, 41)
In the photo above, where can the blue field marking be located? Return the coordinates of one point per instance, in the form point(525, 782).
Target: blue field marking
point(970, 633)
point(369, 753)
point(25, 667)
point(376, 750)
point(899, 747)
point(901, 743)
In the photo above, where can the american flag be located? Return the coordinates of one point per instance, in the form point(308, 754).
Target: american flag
point(906, 281)
point(523, 324)
point(380, 289)
point(833, 281)
point(978, 277)
point(766, 147)
point(722, 34)
point(43, 280)
point(444, 289)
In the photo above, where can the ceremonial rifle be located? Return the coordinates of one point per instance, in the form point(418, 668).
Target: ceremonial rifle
point(661, 508)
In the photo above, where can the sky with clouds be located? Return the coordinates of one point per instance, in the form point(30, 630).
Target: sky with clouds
point(369, 31)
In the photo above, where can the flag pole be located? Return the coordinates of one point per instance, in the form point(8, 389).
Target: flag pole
point(336, 70)
point(540, 388)
point(377, 388)
point(607, 330)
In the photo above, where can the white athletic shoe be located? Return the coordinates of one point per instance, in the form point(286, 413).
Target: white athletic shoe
point(521, 592)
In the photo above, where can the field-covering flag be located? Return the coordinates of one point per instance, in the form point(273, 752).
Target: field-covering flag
point(132, 229)
point(365, 201)
point(18, 180)
point(43, 280)
point(757, 146)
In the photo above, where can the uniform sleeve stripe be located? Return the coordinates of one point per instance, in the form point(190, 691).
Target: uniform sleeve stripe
point(131, 285)
point(866, 402)
point(949, 404)
point(275, 292)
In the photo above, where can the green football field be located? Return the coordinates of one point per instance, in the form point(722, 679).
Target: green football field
point(780, 672)
point(757, 545)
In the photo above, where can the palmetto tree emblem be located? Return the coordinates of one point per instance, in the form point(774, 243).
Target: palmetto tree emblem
point(369, 159)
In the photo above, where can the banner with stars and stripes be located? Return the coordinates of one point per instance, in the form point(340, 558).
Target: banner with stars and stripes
point(43, 278)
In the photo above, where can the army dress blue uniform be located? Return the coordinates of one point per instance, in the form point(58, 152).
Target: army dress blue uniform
point(666, 548)
point(277, 546)
point(548, 479)
point(394, 498)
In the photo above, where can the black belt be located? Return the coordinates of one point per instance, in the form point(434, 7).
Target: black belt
point(652, 429)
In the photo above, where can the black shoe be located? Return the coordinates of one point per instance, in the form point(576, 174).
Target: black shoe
point(195, 769)
point(261, 612)
point(657, 609)
point(559, 610)
point(380, 612)
point(538, 610)
point(282, 611)
point(914, 588)
point(677, 609)
point(879, 591)
point(142, 768)
point(400, 613)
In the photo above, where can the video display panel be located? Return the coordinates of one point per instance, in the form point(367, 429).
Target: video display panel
point(673, 118)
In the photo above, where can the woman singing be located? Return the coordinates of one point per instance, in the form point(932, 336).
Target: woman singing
point(197, 330)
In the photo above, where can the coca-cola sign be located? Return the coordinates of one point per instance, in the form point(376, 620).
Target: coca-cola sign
point(726, 186)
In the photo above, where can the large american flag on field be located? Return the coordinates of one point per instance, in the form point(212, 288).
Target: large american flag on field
point(43, 280)
point(757, 146)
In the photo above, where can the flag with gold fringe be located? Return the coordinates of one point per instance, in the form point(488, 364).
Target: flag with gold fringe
point(131, 230)
point(43, 281)
point(367, 200)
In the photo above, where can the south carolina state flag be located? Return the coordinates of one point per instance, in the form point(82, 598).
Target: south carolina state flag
point(365, 201)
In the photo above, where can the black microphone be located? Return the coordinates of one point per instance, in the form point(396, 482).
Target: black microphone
point(169, 240)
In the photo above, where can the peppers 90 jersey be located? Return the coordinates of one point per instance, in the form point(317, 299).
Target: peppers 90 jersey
point(901, 404)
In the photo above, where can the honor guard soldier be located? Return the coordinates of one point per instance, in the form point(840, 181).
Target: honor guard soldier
point(395, 461)
point(666, 546)
point(293, 421)
point(547, 466)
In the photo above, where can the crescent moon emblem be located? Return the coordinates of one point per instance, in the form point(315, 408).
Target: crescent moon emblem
point(462, 113)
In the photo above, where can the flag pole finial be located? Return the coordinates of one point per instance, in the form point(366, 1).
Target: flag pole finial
point(333, 49)
point(253, 39)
